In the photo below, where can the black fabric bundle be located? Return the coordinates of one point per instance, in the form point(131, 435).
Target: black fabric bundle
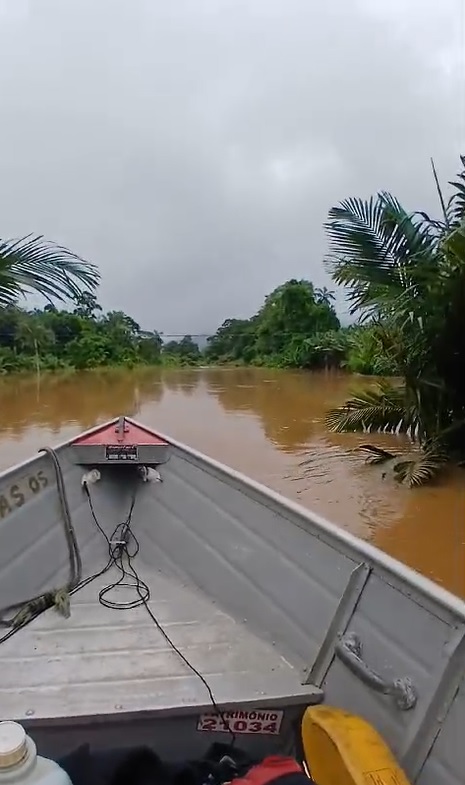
point(142, 766)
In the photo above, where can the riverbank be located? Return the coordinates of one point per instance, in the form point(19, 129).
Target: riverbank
point(32, 365)
point(173, 364)
point(69, 370)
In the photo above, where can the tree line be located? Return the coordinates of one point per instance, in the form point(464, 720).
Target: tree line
point(404, 277)
point(296, 327)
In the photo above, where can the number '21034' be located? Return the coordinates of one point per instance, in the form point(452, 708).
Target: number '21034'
point(20, 492)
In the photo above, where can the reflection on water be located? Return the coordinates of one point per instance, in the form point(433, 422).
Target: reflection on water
point(280, 401)
point(268, 424)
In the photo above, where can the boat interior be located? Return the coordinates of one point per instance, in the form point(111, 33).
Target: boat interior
point(232, 600)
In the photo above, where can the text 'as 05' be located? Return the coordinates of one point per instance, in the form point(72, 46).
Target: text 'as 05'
point(20, 492)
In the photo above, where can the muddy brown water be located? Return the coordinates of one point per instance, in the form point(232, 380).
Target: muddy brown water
point(263, 423)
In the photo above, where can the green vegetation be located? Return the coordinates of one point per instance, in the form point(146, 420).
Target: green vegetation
point(297, 327)
point(404, 276)
point(284, 332)
point(83, 338)
point(183, 352)
point(406, 273)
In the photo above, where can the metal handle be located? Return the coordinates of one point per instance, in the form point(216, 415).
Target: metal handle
point(349, 651)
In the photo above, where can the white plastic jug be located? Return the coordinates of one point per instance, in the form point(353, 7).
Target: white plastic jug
point(19, 762)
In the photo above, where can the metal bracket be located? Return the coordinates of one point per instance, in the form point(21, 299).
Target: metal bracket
point(121, 428)
point(341, 618)
point(423, 732)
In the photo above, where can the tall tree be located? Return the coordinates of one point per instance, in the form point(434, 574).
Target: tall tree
point(324, 295)
point(291, 313)
point(86, 305)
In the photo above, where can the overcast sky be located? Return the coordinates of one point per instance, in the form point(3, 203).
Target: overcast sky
point(192, 148)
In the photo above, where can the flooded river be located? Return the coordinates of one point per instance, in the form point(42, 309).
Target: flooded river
point(264, 423)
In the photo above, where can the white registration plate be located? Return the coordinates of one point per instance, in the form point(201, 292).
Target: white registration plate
point(264, 723)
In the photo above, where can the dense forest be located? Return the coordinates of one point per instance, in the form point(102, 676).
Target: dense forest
point(296, 326)
point(82, 337)
point(404, 279)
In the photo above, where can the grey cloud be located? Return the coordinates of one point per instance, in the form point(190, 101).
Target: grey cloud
point(193, 148)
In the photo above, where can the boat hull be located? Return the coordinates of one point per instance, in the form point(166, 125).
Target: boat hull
point(332, 617)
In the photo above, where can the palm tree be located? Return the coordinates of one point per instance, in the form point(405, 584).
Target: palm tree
point(33, 264)
point(407, 273)
point(324, 296)
point(33, 337)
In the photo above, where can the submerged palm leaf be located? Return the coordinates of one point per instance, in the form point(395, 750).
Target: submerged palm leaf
point(379, 408)
point(413, 470)
point(421, 469)
point(33, 264)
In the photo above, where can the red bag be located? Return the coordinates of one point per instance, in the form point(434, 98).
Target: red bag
point(272, 768)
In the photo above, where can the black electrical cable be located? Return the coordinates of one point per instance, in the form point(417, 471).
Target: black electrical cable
point(120, 544)
point(80, 585)
point(124, 545)
point(27, 610)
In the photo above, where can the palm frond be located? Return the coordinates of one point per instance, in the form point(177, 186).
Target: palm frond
point(422, 469)
point(454, 244)
point(380, 408)
point(376, 455)
point(375, 249)
point(445, 212)
point(34, 264)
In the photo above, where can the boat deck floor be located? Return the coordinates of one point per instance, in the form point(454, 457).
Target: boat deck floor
point(105, 661)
